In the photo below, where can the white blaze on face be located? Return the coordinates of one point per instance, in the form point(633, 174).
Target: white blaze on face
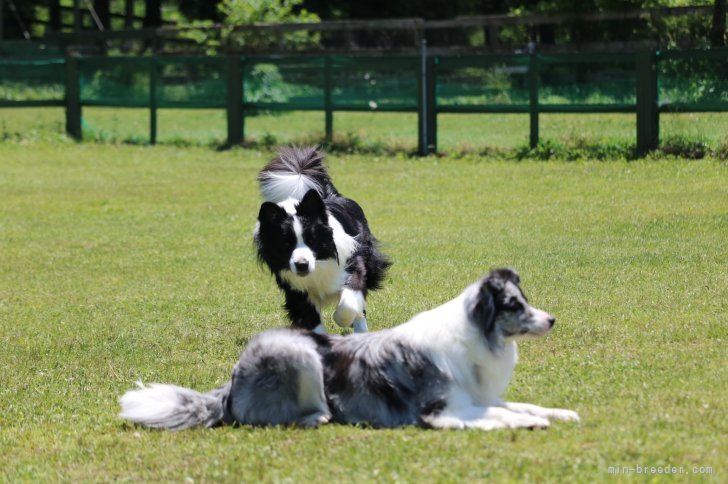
point(542, 320)
point(302, 256)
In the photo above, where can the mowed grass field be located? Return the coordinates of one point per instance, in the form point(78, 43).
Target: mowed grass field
point(123, 263)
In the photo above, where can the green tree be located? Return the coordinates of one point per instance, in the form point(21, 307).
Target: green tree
point(235, 13)
point(245, 12)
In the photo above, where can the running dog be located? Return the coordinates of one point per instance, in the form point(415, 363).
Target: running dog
point(446, 368)
point(316, 242)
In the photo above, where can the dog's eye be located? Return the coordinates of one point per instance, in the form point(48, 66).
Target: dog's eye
point(513, 304)
point(289, 243)
point(311, 236)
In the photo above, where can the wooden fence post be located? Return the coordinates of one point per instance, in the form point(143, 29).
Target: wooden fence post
point(73, 99)
point(153, 100)
point(533, 71)
point(242, 99)
point(422, 135)
point(328, 103)
point(431, 103)
point(234, 101)
point(648, 114)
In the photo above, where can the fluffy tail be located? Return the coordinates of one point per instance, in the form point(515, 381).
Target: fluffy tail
point(172, 407)
point(294, 172)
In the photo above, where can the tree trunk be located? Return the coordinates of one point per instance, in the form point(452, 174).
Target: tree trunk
point(77, 17)
point(54, 14)
point(717, 31)
point(104, 12)
point(129, 14)
point(153, 13)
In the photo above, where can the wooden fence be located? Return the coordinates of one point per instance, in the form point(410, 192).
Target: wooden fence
point(427, 100)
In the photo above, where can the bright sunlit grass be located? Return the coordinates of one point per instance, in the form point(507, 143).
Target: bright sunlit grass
point(121, 263)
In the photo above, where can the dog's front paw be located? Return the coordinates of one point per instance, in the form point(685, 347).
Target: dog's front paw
point(486, 424)
point(565, 415)
point(360, 325)
point(351, 307)
point(528, 422)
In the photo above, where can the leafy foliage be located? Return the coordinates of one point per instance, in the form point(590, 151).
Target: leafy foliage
point(248, 12)
point(245, 12)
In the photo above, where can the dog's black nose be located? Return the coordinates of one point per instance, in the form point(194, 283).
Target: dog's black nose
point(552, 321)
point(301, 268)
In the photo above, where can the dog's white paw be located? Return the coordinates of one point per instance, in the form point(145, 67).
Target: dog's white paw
point(320, 329)
point(360, 325)
point(350, 308)
point(443, 422)
point(528, 422)
point(486, 424)
point(315, 419)
point(565, 415)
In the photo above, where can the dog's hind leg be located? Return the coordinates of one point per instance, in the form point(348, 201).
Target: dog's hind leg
point(278, 380)
point(314, 410)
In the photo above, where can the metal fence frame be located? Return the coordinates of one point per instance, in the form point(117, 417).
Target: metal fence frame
point(647, 107)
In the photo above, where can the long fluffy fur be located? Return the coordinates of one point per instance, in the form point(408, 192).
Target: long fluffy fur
point(172, 407)
point(445, 368)
point(294, 172)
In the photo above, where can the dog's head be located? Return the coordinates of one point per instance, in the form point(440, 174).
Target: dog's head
point(498, 306)
point(294, 235)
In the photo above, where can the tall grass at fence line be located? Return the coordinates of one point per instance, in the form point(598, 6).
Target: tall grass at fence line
point(570, 136)
point(17, 91)
point(26, 125)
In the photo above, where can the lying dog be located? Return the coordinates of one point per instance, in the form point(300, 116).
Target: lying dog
point(445, 368)
point(316, 242)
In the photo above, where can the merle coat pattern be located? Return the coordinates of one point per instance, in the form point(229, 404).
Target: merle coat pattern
point(445, 368)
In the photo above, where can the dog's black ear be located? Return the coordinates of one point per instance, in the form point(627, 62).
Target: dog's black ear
point(511, 275)
point(481, 308)
point(311, 205)
point(497, 279)
point(271, 214)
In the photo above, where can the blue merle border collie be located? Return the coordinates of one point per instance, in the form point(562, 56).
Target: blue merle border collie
point(316, 242)
point(445, 368)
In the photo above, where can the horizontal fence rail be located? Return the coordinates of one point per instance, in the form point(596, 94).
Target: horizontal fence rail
point(646, 83)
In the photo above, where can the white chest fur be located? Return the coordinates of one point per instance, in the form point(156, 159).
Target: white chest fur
point(493, 371)
point(323, 285)
point(480, 375)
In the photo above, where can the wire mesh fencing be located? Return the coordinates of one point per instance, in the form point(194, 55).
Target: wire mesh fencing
point(424, 88)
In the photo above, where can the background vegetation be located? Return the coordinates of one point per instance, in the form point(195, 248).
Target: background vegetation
point(38, 17)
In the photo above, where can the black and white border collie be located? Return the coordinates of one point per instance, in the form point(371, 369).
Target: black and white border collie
point(445, 368)
point(316, 242)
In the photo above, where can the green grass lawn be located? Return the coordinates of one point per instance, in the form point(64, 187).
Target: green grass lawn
point(123, 263)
